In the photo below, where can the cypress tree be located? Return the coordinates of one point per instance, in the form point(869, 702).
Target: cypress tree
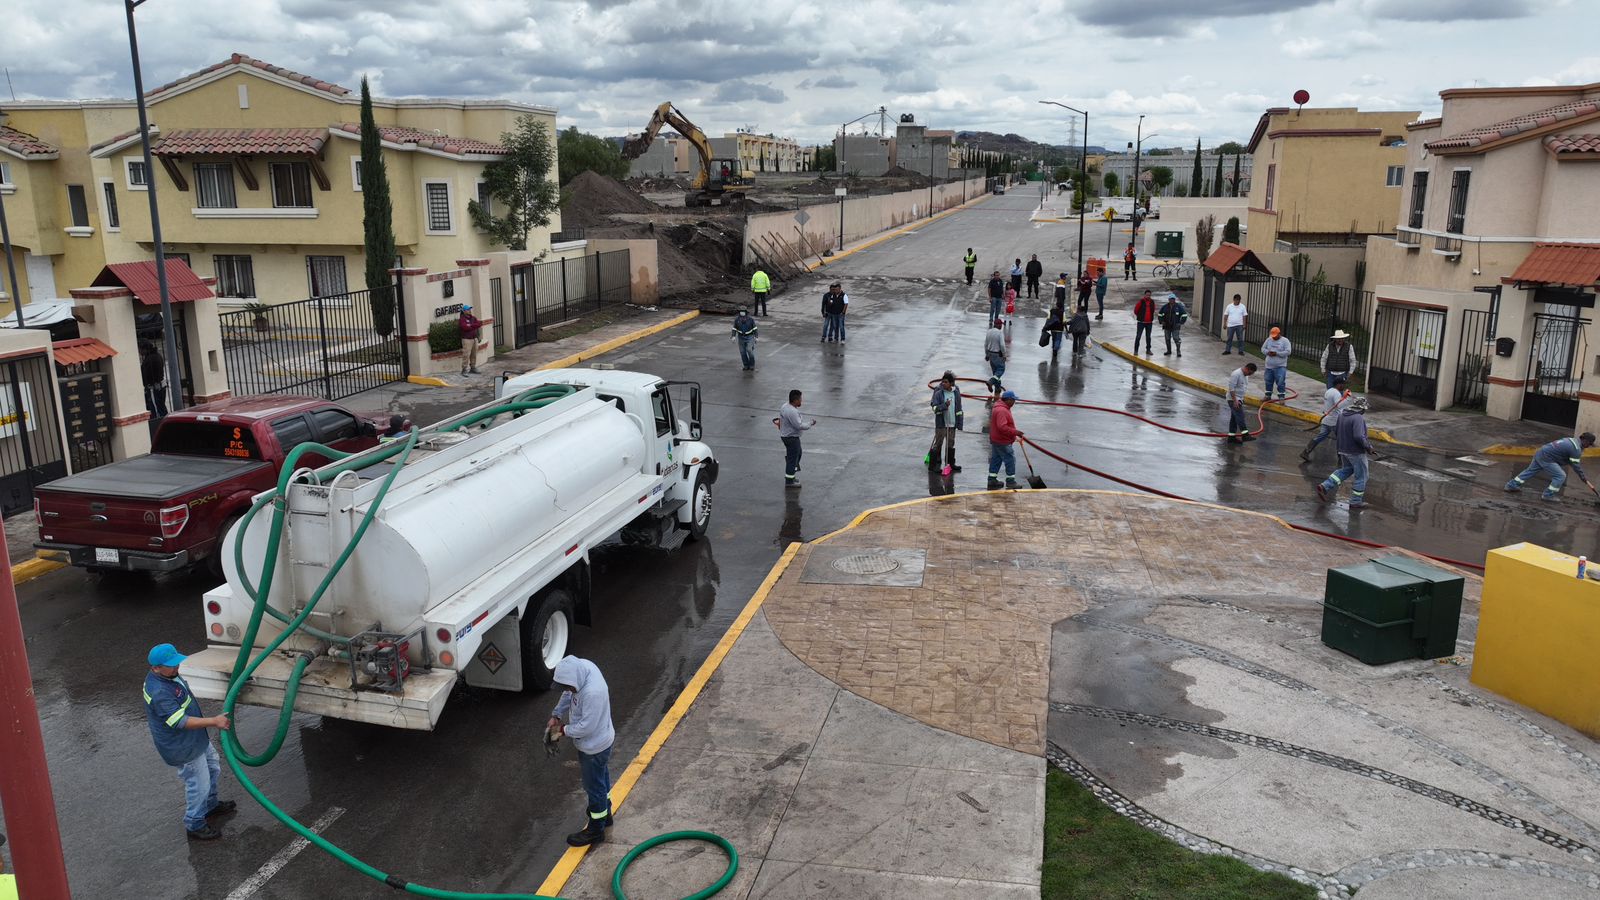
point(377, 216)
point(1235, 174)
point(1197, 187)
point(1216, 180)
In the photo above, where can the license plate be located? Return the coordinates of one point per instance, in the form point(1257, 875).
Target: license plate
point(106, 555)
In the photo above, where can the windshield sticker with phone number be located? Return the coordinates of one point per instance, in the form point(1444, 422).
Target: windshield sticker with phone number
point(237, 448)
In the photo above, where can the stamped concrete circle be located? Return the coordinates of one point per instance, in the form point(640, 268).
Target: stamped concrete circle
point(866, 564)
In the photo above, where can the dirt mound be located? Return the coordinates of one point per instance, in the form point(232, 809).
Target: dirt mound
point(593, 199)
point(693, 259)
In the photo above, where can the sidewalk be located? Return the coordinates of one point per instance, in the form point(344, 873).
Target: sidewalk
point(1203, 366)
point(882, 727)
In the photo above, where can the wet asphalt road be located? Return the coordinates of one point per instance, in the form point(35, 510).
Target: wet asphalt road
point(476, 805)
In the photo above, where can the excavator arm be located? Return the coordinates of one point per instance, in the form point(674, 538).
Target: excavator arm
point(667, 114)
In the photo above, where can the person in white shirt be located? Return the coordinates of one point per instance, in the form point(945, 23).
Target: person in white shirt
point(1333, 400)
point(1234, 315)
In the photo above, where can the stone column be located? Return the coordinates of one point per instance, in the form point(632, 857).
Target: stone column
point(1508, 375)
point(107, 313)
point(418, 316)
point(207, 366)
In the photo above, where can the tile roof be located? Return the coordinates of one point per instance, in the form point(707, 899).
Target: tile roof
point(1228, 257)
point(444, 143)
point(1572, 144)
point(1477, 137)
point(117, 139)
point(239, 59)
point(24, 143)
point(81, 350)
point(140, 277)
point(241, 141)
point(1569, 264)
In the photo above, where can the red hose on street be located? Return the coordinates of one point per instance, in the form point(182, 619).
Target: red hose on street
point(1260, 422)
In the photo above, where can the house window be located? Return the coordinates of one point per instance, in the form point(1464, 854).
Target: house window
point(5, 173)
point(1396, 176)
point(1460, 180)
point(291, 184)
point(213, 185)
point(79, 201)
point(183, 256)
point(485, 199)
point(113, 220)
point(355, 173)
point(138, 178)
point(326, 274)
point(1272, 179)
point(236, 277)
point(437, 197)
point(1419, 197)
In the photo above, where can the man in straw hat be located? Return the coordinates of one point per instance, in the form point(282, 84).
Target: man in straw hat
point(1339, 357)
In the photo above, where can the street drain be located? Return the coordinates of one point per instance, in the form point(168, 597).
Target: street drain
point(866, 564)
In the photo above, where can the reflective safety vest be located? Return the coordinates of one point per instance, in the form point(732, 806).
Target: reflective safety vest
point(760, 283)
point(971, 259)
point(178, 714)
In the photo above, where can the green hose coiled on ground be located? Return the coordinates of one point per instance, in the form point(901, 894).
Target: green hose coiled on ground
point(246, 664)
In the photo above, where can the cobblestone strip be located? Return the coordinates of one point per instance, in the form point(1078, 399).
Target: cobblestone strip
point(1577, 757)
point(1201, 650)
point(1360, 874)
point(1327, 886)
point(1465, 804)
point(1488, 774)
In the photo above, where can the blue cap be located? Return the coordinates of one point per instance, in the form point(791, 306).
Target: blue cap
point(165, 655)
point(466, 306)
point(1008, 395)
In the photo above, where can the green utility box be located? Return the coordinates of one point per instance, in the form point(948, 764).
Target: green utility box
point(1169, 244)
point(1391, 609)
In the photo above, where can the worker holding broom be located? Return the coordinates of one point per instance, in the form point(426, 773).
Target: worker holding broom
point(1002, 434)
point(1550, 459)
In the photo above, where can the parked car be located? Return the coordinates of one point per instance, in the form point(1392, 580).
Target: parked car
point(54, 316)
point(169, 509)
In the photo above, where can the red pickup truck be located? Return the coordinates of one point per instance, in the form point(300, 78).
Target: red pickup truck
point(169, 510)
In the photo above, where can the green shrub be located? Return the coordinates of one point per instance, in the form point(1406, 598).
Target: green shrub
point(444, 337)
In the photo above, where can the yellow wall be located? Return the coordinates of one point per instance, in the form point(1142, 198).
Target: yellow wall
point(1537, 630)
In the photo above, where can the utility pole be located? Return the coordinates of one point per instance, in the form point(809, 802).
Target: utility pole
point(1138, 144)
point(1082, 168)
point(25, 778)
point(11, 263)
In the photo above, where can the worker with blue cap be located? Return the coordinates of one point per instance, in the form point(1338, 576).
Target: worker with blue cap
point(178, 727)
point(1003, 434)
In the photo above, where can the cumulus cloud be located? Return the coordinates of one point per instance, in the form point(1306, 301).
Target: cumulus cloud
point(1449, 10)
point(832, 82)
point(1171, 18)
point(736, 91)
point(1334, 47)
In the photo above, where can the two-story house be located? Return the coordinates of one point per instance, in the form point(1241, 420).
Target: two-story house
point(258, 178)
point(1498, 239)
point(1324, 176)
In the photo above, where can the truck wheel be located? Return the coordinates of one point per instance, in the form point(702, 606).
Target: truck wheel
point(545, 637)
point(699, 508)
point(214, 561)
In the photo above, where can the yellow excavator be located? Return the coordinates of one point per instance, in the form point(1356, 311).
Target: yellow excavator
point(719, 181)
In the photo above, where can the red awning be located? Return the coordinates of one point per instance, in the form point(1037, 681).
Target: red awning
point(1230, 257)
point(241, 142)
point(140, 277)
point(1575, 265)
point(81, 350)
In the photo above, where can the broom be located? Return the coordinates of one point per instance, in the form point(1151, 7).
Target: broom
point(1034, 481)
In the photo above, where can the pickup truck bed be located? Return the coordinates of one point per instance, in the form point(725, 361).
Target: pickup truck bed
point(155, 477)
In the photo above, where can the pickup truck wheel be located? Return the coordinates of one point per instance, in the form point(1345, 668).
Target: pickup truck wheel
point(700, 508)
point(214, 561)
point(545, 637)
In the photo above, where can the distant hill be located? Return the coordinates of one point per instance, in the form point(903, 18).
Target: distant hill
point(1015, 144)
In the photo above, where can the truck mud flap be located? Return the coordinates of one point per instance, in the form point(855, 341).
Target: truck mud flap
point(324, 689)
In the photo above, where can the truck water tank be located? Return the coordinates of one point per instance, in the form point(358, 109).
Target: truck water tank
point(462, 509)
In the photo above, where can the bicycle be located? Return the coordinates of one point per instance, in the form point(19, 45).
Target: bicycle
point(1174, 270)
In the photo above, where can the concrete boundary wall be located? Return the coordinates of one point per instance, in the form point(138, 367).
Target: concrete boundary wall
point(863, 217)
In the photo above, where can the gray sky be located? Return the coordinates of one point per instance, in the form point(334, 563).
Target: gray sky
point(1195, 68)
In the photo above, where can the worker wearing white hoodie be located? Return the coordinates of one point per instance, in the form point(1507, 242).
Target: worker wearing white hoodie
point(584, 714)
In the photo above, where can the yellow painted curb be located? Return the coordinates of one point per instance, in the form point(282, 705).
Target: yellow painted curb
point(568, 864)
point(608, 346)
point(29, 569)
point(1301, 414)
point(427, 381)
point(812, 267)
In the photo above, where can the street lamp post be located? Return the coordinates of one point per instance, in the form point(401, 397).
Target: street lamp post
point(11, 263)
point(169, 340)
point(1083, 168)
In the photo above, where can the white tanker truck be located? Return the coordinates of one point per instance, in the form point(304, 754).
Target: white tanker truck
point(475, 565)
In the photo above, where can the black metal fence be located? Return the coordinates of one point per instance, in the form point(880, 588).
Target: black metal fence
point(1473, 356)
point(1406, 349)
point(30, 436)
point(545, 294)
point(1556, 365)
point(333, 346)
point(1308, 313)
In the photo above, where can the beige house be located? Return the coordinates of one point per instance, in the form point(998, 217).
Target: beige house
point(1485, 293)
point(1324, 176)
point(258, 177)
point(759, 152)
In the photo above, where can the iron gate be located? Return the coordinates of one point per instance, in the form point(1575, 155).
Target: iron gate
point(1555, 369)
point(1472, 359)
point(546, 294)
point(332, 346)
point(1406, 344)
point(30, 436)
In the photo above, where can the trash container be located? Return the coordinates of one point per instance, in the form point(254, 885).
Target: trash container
point(1169, 244)
point(1391, 609)
point(1096, 266)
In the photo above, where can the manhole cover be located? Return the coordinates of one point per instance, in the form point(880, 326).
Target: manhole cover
point(866, 564)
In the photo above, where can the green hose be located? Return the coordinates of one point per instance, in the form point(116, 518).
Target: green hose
point(719, 840)
point(246, 664)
